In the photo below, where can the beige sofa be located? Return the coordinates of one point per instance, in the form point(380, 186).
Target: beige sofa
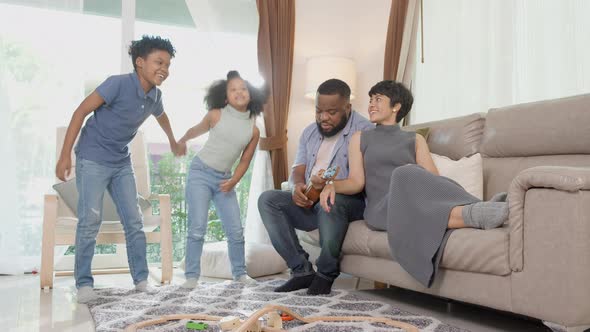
point(538, 263)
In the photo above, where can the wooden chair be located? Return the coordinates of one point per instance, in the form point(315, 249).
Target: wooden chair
point(59, 223)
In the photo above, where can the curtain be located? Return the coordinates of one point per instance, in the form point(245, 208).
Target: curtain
point(400, 46)
point(484, 54)
point(395, 35)
point(276, 32)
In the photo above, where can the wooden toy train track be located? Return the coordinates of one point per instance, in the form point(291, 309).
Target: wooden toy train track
point(274, 323)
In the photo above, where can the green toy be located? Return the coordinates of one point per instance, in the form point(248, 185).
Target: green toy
point(192, 325)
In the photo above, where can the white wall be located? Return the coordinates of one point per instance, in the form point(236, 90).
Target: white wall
point(346, 28)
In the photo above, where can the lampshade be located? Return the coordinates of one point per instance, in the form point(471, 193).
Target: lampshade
point(322, 68)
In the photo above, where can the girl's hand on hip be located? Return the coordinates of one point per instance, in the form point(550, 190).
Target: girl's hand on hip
point(227, 185)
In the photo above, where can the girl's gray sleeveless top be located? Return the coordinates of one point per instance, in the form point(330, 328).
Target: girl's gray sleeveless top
point(384, 148)
point(227, 139)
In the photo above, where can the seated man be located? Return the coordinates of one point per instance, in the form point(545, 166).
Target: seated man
point(322, 144)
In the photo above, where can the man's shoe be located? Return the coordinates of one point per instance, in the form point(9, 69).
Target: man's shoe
point(320, 286)
point(295, 283)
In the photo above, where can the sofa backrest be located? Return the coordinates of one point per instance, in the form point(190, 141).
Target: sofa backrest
point(511, 139)
point(552, 132)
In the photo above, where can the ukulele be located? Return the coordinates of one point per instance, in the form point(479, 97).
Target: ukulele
point(312, 193)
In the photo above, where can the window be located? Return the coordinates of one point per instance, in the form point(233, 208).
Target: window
point(45, 75)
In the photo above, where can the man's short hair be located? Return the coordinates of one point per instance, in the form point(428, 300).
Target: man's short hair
point(334, 86)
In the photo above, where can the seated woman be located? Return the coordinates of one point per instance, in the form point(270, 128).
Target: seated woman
point(405, 195)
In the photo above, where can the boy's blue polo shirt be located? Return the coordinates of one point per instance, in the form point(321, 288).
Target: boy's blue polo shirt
point(107, 133)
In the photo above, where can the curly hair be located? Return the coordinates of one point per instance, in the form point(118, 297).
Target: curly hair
point(216, 96)
point(146, 45)
point(397, 93)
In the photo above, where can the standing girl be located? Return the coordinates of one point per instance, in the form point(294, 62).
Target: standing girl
point(233, 105)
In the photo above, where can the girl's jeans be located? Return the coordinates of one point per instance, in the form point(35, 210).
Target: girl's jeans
point(202, 186)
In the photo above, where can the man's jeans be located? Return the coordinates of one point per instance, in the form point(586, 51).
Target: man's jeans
point(202, 186)
point(92, 179)
point(281, 217)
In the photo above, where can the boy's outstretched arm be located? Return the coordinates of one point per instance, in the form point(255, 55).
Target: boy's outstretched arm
point(164, 123)
point(88, 105)
point(243, 164)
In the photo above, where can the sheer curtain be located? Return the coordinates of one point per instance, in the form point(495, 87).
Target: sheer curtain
point(9, 246)
point(43, 78)
point(483, 54)
point(262, 181)
point(552, 49)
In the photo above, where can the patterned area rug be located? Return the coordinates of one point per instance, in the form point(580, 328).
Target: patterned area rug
point(116, 308)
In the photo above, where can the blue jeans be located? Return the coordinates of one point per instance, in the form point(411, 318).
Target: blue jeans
point(281, 217)
point(92, 179)
point(202, 186)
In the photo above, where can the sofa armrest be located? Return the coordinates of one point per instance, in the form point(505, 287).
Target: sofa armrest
point(569, 179)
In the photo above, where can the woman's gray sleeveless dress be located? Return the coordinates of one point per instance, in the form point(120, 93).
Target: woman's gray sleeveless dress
point(410, 203)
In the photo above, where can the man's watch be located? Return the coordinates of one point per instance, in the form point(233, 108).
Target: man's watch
point(330, 182)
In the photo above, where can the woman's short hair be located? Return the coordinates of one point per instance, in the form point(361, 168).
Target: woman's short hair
point(397, 93)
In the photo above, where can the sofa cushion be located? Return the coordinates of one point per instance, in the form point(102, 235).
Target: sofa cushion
point(261, 260)
point(69, 193)
point(455, 138)
point(424, 131)
point(467, 171)
point(467, 249)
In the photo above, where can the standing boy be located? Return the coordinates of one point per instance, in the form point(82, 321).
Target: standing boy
point(120, 105)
